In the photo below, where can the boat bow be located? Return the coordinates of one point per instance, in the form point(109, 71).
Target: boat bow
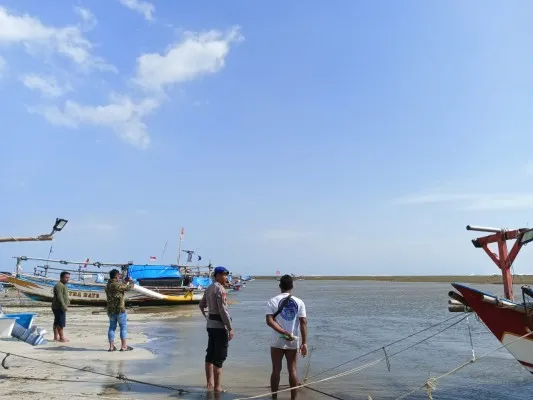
point(507, 320)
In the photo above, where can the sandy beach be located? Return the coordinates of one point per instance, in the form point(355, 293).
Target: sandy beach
point(148, 331)
point(87, 349)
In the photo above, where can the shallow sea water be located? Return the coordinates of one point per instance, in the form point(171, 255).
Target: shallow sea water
point(346, 320)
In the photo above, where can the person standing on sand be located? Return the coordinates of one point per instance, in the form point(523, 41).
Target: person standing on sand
point(219, 328)
point(60, 303)
point(286, 314)
point(116, 309)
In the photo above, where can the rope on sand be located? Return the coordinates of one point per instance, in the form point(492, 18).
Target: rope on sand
point(356, 369)
point(36, 378)
point(431, 384)
point(90, 396)
point(120, 377)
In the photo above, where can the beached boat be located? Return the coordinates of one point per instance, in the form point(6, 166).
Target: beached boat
point(509, 321)
point(20, 326)
point(3, 279)
point(6, 326)
point(153, 284)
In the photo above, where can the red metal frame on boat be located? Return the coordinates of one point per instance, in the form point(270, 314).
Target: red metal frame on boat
point(504, 259)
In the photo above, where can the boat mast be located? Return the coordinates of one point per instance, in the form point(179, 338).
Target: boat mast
point(504, 259)
point(179, 246)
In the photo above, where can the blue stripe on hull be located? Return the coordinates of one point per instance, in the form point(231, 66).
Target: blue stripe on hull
point(51, 283)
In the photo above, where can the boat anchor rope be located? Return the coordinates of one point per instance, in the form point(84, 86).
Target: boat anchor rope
point(389, 345)
point(431, 384)
point(120, 377)
point(362, 367)
point(386, 358)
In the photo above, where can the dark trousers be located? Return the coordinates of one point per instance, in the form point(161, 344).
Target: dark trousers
point(217, 346)
point(60, 317)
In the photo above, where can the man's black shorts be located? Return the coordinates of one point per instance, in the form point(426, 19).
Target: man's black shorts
point(60, 317)
point(217, 346)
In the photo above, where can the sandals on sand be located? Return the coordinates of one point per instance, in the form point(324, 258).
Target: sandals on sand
point(113, 349)
point(127, 349)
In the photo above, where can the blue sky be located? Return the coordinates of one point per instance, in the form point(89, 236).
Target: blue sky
point(310, 137)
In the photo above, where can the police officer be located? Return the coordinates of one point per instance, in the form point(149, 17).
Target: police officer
point(219, 328)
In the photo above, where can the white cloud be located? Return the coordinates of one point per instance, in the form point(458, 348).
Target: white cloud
point(47, 85)
point(87, 16)
point(67, 41)
point(121, 114)
point(198, 54)
point(143, 7)
point(473, 201)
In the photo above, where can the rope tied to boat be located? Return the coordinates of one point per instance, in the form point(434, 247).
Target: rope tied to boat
point(433, 381)
point(386, 358)
point(471, 340)
point(120, 377)
point(389, 344)
point(357, 369)
point(431, 385)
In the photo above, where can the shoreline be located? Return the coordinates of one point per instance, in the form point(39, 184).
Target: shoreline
point(486, 279)
point(44, 373)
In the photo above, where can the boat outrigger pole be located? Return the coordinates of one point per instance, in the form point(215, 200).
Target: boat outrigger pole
point(504, 259)
point(58, 226)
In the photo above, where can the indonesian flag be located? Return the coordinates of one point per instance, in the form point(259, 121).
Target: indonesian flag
point(182, 232)
point(153, 258)
point(86, 262)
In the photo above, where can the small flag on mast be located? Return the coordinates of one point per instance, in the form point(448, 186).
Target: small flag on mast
point(153, 258)
point(182, 233)
point(189, 255)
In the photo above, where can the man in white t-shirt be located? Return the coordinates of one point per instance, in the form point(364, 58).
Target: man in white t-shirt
point(286, 315)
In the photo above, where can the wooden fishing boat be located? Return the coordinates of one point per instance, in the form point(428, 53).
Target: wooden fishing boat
point(3, 279)
point(153, 284)
point(509, 321)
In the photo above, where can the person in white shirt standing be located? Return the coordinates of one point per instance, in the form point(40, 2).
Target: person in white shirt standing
point(286, 315)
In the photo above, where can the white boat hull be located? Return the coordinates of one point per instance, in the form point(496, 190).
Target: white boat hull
point(6, 327)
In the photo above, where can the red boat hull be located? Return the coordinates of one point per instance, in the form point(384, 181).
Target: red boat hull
point(506, 323)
